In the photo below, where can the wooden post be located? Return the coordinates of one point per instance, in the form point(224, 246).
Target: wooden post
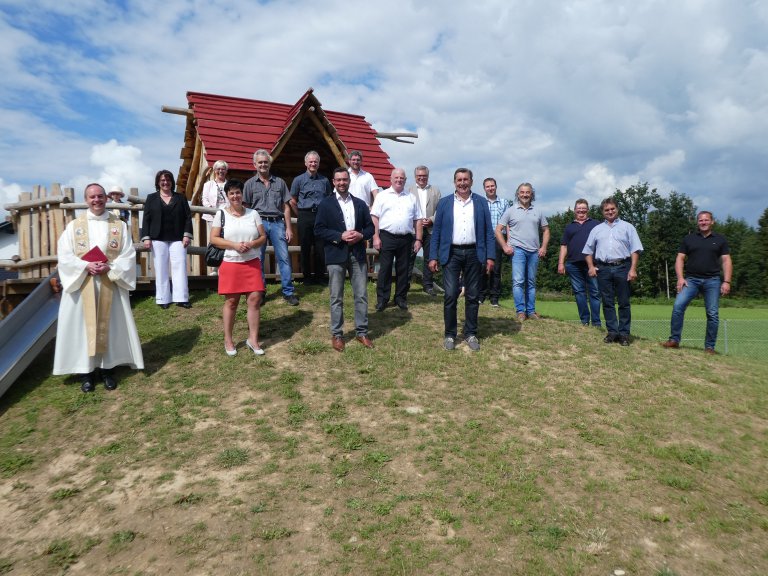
point(25, 233)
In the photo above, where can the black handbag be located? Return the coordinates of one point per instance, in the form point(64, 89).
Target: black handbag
point(214, 255)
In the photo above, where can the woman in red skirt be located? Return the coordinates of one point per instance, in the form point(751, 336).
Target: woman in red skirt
point(240, 272)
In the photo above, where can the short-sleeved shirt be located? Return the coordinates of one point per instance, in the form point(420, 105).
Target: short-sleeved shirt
point(497, 208)
point(242, 229)
point(609, 243)
point(575, 237)
point(396, 211)
point(524, 225)
point(361, 185)
point(704, 254)
point(268, 202)
point(309, 190)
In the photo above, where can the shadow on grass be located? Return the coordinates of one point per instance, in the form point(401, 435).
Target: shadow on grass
point(277, 326)
point(163, 347)
point(499, 326)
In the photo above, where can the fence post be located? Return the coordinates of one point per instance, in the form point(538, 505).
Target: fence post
point(725, 334)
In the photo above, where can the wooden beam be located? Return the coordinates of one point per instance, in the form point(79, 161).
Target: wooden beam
point(326, 136)
point(175, 110)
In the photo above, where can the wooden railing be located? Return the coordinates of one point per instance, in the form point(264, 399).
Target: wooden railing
point(40, 218)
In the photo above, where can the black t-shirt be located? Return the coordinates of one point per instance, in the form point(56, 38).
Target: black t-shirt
point(704, 254)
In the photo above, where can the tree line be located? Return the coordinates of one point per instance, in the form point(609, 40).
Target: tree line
point(661, 223)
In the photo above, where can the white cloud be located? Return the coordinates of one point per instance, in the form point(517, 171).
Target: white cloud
point(9, 194)
point(119, 166)
point(570, 95)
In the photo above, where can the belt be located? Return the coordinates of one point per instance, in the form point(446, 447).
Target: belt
point(612, 262)
point(272, 218)
point(398, 235)
point(463, 246)
point(313, 209)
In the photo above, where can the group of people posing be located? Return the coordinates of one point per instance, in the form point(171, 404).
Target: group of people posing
point(465, 234)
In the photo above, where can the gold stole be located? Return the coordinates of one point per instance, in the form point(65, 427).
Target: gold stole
point(97, 314)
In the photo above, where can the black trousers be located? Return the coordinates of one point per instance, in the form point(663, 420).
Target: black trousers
point(394, 248)
point(312, 255)
point(427, 273)
point(490, 284)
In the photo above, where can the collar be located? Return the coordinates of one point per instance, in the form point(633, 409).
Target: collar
point(91, 216)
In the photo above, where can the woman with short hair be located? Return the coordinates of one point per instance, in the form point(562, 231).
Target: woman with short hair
point(240, 272)
point(166, 228)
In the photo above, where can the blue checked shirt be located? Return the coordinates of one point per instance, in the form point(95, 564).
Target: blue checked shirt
point(497, 208)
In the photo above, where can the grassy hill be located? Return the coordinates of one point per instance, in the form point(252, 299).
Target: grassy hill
point(548, 452)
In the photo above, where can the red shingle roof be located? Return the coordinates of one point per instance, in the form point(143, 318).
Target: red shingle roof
point(233, 128)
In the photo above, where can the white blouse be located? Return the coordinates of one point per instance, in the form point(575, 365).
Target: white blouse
point(244, 228)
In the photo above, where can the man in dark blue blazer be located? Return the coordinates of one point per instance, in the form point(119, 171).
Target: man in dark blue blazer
point(344, 224)
point(463, 244)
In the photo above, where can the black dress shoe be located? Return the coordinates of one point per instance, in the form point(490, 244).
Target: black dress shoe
point(610, 338)
point(164, 306)
point(184, 304)
point(430, 291)
point(381, 306)
point(624, 340)
point(403, 305)
point(109, 380)
point(86, 382)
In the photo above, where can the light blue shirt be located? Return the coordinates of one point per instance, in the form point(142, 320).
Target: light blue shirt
point(611, 242)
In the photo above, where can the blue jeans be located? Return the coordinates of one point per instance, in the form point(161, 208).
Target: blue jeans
point(582, 282)
point(358, 274)
point(461, 261)
point(276, 234)
point(710, 287)
point(614, 287)
point(524, 267)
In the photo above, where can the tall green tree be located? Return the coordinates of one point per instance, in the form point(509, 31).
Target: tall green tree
point(671, 220)
point(746, 263)
point(634, 205)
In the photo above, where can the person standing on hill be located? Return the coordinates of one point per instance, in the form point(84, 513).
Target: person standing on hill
point(704, 255)
point(307, 191)
point(571, 261)
point(612, 252)
point(270, 197)
point(427, 196)
point(490, 285)
point(97, 268)
point(344, 224)
point(397, 219)
point(523, 222)
point(462, 243)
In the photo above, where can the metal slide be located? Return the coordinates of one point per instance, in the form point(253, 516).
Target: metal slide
point(26, 331)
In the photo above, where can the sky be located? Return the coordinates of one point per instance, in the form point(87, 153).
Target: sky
point(578, 97)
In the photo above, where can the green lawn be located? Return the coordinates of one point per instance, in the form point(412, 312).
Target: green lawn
point(742, 331)
point(546, 453)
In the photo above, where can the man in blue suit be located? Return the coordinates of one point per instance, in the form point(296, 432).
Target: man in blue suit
point(463, 243)
point(344, 224)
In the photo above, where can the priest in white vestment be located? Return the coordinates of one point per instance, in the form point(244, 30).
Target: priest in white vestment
point(97, 268)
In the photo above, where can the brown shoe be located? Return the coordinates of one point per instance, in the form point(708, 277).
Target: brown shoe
point(534, 316)
point(521, 317)
point(365, 341)
point(710, 351)
point(338, 343)
point(670, 344)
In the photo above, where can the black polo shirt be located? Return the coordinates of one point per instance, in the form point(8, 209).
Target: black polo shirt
point(704, 254)
point(575, 237)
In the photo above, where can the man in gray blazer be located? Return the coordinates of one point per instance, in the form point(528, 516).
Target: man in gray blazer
point(427, 197)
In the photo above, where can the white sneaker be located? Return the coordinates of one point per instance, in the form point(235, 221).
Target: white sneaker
point(256, 350)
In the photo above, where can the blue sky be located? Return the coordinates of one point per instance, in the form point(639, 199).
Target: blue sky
point(577, 97)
